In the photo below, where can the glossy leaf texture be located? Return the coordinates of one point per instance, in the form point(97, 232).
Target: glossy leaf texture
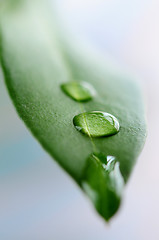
point(37, 59)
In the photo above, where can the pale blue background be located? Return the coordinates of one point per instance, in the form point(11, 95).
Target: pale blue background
point(38, 201)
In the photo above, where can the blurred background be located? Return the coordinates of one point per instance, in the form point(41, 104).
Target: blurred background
point(38, 200)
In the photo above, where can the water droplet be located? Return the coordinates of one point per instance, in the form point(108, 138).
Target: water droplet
point(79, 91)
point(96, 124)
point(104, 185)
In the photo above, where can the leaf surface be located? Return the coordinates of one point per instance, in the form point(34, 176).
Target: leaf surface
point(36, 60)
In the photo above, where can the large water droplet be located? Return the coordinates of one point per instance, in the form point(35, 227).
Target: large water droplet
point(79, 91)
point(103, 183)
point(96, 124)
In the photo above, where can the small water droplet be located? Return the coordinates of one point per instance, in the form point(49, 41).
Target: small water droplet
point(96, 124)
point(79, 91)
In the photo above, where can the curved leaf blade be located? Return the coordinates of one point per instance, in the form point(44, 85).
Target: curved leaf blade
point(36, 61)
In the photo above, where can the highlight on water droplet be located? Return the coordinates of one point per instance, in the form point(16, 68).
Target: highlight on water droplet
point(96, 124)
point(108, 162)
point(109, 166)
point(79, 91)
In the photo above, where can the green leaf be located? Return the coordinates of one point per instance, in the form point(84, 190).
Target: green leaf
point(37, 60)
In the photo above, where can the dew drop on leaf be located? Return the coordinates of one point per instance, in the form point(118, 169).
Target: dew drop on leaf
point(79, 91)
point(106, 169)
point(96, 124)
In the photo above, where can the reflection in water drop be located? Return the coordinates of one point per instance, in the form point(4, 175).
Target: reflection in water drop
point(110, 163)
point(96, 124)
point(79, 91)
